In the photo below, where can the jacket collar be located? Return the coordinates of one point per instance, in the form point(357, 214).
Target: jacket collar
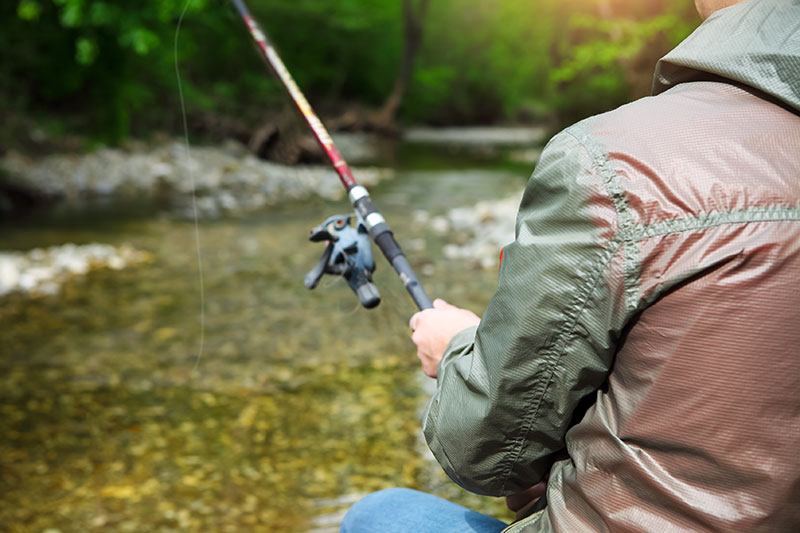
point(755, 43)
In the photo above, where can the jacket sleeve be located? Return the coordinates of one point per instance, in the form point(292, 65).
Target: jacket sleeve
point(507, 391)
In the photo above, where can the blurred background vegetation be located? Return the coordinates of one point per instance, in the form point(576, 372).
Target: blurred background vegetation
point(104, 70)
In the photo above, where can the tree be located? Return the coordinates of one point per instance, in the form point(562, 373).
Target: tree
point(414, 13)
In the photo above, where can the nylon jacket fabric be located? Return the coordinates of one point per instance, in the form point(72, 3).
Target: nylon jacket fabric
point(643, 346)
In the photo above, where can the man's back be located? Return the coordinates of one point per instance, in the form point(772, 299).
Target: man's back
point(699, 424)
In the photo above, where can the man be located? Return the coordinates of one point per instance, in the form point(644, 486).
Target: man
point(642, 353)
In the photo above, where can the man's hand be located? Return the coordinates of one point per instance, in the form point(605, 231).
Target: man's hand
point(433, 329)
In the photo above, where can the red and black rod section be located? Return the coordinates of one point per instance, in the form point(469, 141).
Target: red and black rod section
point(379, 230)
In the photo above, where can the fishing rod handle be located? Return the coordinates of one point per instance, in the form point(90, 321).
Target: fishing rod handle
point(413, 286)
point(382, 236)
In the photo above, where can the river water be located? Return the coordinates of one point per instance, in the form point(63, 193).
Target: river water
point(299, 403)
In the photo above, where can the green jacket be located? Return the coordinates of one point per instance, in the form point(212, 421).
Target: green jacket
point(641, 350)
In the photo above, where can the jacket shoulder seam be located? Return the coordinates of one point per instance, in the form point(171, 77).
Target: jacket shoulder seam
point(626, 222)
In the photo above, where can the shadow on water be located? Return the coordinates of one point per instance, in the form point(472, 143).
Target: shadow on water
point(299, 403)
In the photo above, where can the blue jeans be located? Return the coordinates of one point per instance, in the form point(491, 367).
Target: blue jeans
point(411, 511)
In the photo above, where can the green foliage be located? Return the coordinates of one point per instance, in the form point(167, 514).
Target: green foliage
point(106, 68)
point(483, 63)
point(601, 63)
point(112, 63)
point(90, 59)
point(29, 10)
point(499, 60)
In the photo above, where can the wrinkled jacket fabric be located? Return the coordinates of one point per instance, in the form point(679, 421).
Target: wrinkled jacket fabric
point(643, 346)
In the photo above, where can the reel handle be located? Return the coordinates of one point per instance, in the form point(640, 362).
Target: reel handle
point(368, 295)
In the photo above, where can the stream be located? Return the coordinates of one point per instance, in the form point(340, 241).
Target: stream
point(300, 402)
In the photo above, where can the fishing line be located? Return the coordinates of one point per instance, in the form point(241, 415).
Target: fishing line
point(190, 167)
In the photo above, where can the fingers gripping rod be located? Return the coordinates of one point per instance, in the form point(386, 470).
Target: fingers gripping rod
point(379, 230)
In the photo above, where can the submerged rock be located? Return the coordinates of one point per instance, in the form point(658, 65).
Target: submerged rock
point(44, 270)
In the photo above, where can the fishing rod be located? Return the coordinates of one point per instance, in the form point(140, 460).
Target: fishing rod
point(348, 251)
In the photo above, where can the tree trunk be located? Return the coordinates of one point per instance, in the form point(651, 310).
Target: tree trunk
point(413, 17)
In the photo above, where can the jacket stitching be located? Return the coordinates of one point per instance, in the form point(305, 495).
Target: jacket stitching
point(710, 220)
point(625, 219)
point(572, 313)
point(556, 350)
point(575, 309)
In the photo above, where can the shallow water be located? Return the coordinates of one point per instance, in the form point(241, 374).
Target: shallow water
point(300, 402)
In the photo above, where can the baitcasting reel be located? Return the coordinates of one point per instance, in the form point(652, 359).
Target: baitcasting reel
point(348, 253)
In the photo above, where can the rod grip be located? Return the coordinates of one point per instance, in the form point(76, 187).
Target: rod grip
point(388, 245)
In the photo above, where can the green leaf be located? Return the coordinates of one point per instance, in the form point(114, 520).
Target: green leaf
point(102, 14)
point(72, 13)
point(29, 10)
point(85, 51)
point(141, 40)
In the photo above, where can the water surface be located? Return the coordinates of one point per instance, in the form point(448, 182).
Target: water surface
point(300, 402)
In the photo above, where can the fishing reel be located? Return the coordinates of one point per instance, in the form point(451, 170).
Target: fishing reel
point(348, 253)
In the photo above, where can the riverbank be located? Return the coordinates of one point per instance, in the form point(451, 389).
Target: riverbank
point(225, 180)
